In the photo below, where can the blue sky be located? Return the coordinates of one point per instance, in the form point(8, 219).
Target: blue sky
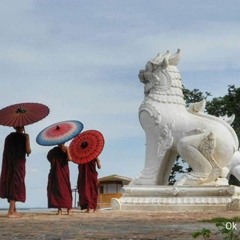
point(82, 58)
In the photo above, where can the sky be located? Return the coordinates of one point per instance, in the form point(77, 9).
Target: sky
point(82, 59)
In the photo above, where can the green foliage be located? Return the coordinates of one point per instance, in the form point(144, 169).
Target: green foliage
point(194, 96)
point(227, 105)
point(233, 181)
point(206, 233)
point(225, 232)
point(176, 169)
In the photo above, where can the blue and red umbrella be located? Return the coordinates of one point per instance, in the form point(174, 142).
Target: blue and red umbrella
point(59, 133)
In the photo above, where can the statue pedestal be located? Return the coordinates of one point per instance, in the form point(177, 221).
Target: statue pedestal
point(178, 198)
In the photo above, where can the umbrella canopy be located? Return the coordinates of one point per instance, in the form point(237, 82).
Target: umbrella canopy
point(58, 133)
point(86, 146)
point(22, 114)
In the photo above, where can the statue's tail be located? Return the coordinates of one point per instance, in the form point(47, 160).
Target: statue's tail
point(198, 109)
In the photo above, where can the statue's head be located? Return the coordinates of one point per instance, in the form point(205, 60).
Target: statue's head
point(156, 72)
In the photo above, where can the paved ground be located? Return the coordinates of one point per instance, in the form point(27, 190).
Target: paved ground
point(108, 224)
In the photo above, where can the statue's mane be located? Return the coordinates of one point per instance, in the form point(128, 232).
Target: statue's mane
point(162, 79)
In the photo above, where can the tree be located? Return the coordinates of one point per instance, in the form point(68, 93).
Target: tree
point(194, 96)
point(176, 169)
point(227, 105)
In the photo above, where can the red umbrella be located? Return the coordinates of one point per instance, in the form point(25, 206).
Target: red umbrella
point(23, 114)
point(86, 146)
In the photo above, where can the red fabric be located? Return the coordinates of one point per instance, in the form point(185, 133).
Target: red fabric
point(12, 181)
point(88, 185)
point(59, 187)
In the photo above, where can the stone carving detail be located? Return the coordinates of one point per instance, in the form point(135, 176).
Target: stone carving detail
point(234, 205)
point(175, 191)
point(183, 200)
point(115, 204)
point(207, 146)
point(165, 139)
point(206, 142)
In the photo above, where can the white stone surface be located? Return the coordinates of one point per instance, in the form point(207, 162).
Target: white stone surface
point(206, 142)
point(178, 198)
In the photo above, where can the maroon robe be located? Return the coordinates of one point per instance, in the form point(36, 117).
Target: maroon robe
point(12, 181)
point(88, 185)
point(59, 187)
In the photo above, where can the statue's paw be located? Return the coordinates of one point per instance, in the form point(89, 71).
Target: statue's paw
point(213, 176)
point(218, 182)
point(143, 180)
point(135, 181)
point(190, 180)
point(225, 172)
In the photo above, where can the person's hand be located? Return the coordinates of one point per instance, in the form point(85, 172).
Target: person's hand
point(25, 135)
point(64, 148)
point(98, 163)
point(28, 148)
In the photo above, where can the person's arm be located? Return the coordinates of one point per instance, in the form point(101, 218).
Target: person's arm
point(28, 147)
point(66, 150)
point(99, 163)
point(68, 154)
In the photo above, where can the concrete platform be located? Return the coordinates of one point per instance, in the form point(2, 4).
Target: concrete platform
point(178, 198)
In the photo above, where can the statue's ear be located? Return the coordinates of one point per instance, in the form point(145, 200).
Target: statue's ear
point(149, 66)
point(175, 59)
point(164, 63)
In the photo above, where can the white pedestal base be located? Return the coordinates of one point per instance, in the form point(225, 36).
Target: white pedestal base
point(178, 198)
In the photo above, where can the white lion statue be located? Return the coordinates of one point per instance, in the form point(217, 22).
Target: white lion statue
point(207, 143)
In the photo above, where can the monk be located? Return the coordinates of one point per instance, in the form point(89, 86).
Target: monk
point(88, 185)
point(59, 187)
point(12, 180)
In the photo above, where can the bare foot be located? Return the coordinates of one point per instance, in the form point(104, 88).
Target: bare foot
point(16, 213)
point(13, 215)
point(69, 212)
point(59, 212)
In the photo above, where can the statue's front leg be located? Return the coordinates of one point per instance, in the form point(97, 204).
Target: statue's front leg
point(158, 156)
point(149, 175)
